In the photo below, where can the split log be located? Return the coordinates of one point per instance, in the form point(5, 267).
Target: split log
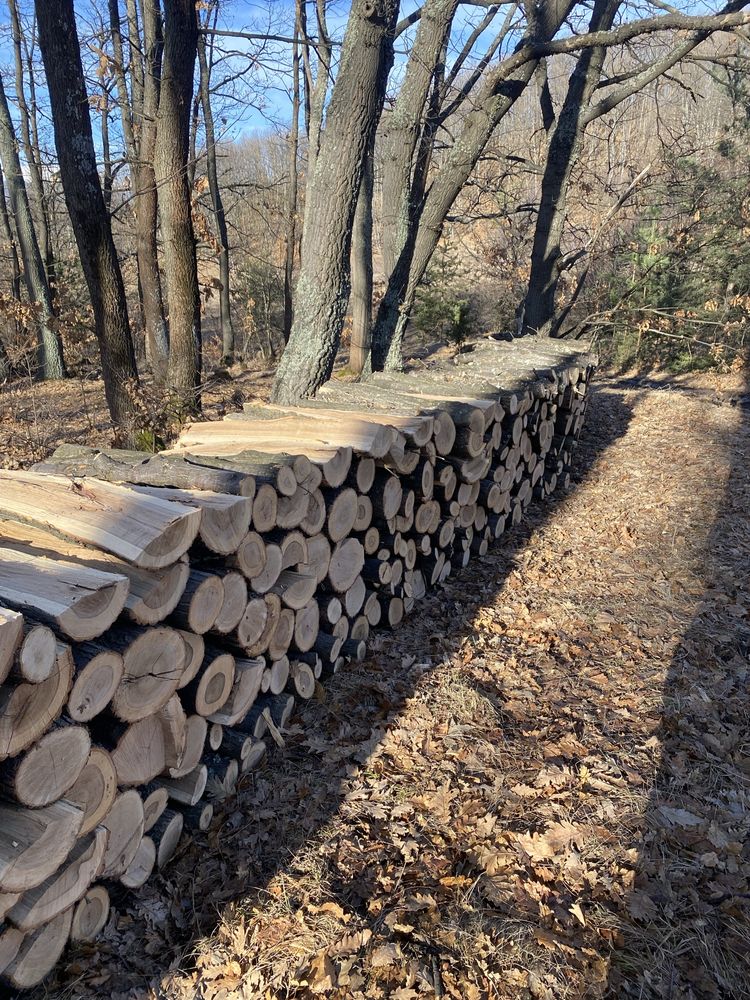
point(75, 601)
point(225, 519)
point(254, 756)
point(46, 771)
point(95, 789)
point(142, 468)
point(342, 508)
point(268, 576)
point(250, 557)
point(347, 560)
point(197, 817)
point(137, 749)
point(293, 545)
point(173, 722)
point(11, 636)
point(234, 603)
point(283, 634)
point(200, 603)
point(11, 940)
point(65, 888)
point(39, 952)
point(189, 788)
point(166, 835)
point(315, 517)
point(307, 624)
point(303, 678)
point(196, 728)
point(247, 680)
point(265, 508)
point(253, 622)
point(294, 510)
point(273, 612)
point(140, 868)
point(90, 915)
point(153, 664)
point(35, 842)
point(209, 691)
point(147, 532)
point(124, 822)
point(155, 799)
point(330, 609)
point(364, 513)
point(195, 651)
point(98, 674)
point(318, 557)
point(295, 589)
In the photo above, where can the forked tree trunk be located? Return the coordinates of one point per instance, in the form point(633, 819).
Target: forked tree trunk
point(142, 106)
point(227, 331)
point(323, 284)
point(170, 167)
point(50, 358)
point(61, 53)
point(491, 104)
point(361, 297)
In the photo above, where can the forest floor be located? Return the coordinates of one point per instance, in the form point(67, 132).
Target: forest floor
point(536, 787)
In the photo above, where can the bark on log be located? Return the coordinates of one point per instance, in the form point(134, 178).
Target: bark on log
point(144, 531)
point(46, 771)
point(35, 842)
point(74, 601)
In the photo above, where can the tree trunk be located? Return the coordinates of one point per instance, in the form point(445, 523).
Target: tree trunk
point(323, 284)
point(546, 257)
point(361, 297)
point(227, 331)
point(15, 282)
point(496, 98)
point(139, 147)
point(292, 183)
point(170, 168)
point(58, 41)
point(31, 151)
point(50, 357)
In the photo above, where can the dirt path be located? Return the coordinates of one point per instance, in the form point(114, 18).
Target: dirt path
point(537, 788)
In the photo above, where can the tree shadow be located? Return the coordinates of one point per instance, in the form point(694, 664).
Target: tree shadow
point(690, 902)
point(294, 797)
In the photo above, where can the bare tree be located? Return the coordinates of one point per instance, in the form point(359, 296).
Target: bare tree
point(170, 166)
point(578, 111)
point(204, 61)
point(30, 146)
point(61, 54)
point(362, 271)
point(50, 363)
point(323, 284)
point(138, 112)
point(293, 179)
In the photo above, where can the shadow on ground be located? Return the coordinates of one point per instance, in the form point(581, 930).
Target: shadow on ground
point(300, 790)
point(690, 937)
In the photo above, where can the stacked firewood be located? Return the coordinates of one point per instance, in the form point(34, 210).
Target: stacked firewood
point(160, 614)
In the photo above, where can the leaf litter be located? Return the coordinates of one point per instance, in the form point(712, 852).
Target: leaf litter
point(536, 788)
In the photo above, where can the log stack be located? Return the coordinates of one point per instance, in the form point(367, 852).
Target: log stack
point(159, 615)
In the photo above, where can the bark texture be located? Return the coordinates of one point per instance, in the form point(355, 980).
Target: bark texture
point(323, 284)
point(170, 166)
point(50, 363)
point(58, 41)
point(217, 205)
point(361, 296)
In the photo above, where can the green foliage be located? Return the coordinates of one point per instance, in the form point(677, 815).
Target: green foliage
point(444, 308)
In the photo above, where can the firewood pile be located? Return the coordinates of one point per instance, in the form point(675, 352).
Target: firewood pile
point(160, 614)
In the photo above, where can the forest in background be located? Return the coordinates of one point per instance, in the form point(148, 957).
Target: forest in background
point(195, 186)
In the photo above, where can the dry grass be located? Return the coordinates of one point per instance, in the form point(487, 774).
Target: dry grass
point(535, 788)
